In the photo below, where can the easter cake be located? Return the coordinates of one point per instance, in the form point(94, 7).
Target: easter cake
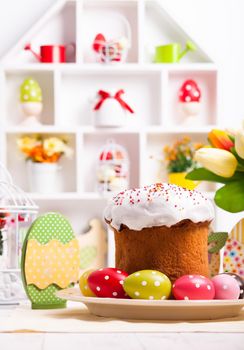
point(161, 227)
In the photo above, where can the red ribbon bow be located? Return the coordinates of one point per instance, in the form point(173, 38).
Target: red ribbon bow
point(104, 95)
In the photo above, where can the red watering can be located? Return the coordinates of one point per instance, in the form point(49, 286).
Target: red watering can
point(50, 53)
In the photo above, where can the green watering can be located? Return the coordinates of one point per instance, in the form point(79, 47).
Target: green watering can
point(172, 53)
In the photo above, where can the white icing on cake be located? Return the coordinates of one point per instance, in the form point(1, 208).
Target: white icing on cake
point(157, 205)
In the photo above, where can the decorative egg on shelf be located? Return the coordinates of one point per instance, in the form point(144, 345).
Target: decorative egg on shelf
point(113, 168)
point(110, 110)
point(190, 102)
point(31, 101)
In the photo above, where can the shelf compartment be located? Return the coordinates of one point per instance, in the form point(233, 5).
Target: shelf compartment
point(108, 18)
point(13, 80)
point(161, 28)
point(154, 165)
point(78, 95)
point(16, 163)
point(57, 29)
point(207, 83)
point(89, 154)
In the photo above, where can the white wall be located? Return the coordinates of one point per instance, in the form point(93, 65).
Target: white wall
point(219, 27)
point(217, 24)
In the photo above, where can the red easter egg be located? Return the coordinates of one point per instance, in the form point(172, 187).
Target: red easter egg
point(189, 92)
point(107, 283)
point(98, 42)
point(193, 287)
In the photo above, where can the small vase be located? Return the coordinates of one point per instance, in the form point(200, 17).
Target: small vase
point(180, 180)
point(44, 177)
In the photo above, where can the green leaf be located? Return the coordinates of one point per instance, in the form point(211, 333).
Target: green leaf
point(239, 159)
point(231, 197)
point(219, 238)
point(206, 175)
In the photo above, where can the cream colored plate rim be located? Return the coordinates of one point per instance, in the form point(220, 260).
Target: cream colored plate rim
point(74, 294)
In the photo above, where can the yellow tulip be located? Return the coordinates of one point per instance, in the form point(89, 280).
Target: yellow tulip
point(239, 143)
point(219, 161)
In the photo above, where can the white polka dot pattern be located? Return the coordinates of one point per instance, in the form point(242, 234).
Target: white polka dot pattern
point(44, 229)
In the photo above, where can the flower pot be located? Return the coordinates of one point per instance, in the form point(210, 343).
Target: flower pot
point(180, 180)
point(44, 177)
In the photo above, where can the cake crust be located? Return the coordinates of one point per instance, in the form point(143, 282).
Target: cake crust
point(175, 251)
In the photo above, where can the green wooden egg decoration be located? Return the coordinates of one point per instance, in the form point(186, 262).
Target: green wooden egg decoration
point(30, 91)
point(50, 260)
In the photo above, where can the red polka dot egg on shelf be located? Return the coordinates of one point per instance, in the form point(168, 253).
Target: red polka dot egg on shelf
point(107, 283)
point(193, 287)
point(113, 168)
point(190, 102)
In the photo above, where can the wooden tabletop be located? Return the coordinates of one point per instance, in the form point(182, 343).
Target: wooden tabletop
point(118, 341)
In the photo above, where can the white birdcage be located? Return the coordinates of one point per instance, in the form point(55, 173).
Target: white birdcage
point(112, 51)
point(17, 212)
point(113, 168)
point(115, 49)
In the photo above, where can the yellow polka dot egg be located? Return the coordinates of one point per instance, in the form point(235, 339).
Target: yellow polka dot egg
point(83, 284)
point(148, 284)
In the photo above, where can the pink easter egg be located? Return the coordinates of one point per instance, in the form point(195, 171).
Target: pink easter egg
point(226, 287)
point(193, 287)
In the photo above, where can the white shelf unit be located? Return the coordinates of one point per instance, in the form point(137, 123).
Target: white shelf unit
point(69, 90)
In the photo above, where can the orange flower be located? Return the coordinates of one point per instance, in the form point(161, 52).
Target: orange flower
point(186, 140)
point(47, 150)
point(198, 146)
point(220, 139)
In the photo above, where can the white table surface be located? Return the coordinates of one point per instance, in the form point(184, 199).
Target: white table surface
point(118, 341)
